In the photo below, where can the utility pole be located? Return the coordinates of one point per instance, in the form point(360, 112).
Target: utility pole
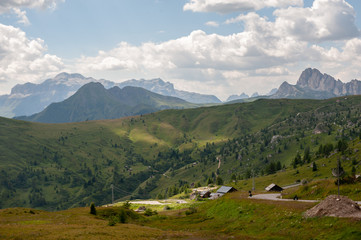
point(338, 177)
point(112, 187)
point(253, 185)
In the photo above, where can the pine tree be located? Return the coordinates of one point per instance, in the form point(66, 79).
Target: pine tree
point(314, 167)
point(219, 180)
point(92, 209)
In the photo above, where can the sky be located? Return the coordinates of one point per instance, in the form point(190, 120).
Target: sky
point(219, 47)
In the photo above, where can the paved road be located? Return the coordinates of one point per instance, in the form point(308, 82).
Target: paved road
point(277, 197)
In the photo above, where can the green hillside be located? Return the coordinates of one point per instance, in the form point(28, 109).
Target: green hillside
point(57, 166)
point(94, 102)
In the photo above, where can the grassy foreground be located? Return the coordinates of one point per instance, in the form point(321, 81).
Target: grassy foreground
point(231, 217)
point(22, 223)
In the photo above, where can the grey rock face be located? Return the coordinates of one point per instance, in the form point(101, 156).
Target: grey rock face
point(313, 84)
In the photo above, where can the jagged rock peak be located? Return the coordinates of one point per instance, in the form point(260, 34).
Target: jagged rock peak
point(315, 80)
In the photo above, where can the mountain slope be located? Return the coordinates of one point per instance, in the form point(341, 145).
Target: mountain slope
point(30, 98)
point(55, 166)
point(94, 102)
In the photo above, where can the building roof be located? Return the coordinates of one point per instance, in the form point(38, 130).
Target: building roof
point(273, 186)
point(225, 189)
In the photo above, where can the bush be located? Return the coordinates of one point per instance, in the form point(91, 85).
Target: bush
point(346, 180)
point(191, 210)
point(117, 215)
point(92, 209)
point(122, 216)
point(111, 221)
point(126, 204)
point(149, 212)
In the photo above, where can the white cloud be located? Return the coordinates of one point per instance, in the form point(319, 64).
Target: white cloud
point(261, 57)
point(325, 20)
point(208, 58)
point(23, 59)
point(8, 5)
point(15, 6)
point(23, 19)
point(228, 6)
point(212, 24)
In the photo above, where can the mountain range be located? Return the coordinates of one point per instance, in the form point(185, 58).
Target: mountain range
point(94, 102)
point(30, 98)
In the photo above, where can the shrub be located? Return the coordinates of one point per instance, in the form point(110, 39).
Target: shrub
point(122, 216)
point(191, 210)
point(111, 221)
point(92, 209)
point(126, 204)
point(149, 212)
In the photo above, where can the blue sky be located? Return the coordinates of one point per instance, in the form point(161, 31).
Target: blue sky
point(226, 47)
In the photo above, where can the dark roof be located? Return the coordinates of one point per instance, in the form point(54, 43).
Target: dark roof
point(273, 187)
point(225, 189)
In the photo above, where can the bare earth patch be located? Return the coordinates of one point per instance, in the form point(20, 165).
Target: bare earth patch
point(335, 206)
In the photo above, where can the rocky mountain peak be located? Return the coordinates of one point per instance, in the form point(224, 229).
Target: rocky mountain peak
point(310, 78)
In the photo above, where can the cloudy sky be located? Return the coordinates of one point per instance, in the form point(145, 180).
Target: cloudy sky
point(220, 47)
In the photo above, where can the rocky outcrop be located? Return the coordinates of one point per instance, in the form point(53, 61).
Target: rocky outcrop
point(313, 84)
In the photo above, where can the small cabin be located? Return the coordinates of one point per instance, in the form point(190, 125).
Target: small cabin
point(205, 194)
point(273, 188)
point(225, 189)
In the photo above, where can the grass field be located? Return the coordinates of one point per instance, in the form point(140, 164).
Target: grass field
point(231, 217)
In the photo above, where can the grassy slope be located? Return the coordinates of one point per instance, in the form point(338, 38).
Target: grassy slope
point(86, 150)
point(232, 216)
point(72, 224)
point(321, 182)
point(236, 217)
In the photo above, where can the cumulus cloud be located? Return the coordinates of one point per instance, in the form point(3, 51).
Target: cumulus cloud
point(23, 59)
point(207, 58)
point(265, 49)
point(212, 24)
point(15, 6)
point(23, 19)
point(325, 20)
point(8, 5)
point(221, 6)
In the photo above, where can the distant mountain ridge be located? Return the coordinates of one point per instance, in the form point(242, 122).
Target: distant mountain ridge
point(157, 85)
point(312, 84)
point(30, 98)
point(93, 102)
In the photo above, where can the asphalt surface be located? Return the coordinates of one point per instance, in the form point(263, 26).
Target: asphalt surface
point(278, 197)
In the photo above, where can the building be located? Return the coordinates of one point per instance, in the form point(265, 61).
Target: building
point(225, 189)
point(205, 194)
point(273, 188)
